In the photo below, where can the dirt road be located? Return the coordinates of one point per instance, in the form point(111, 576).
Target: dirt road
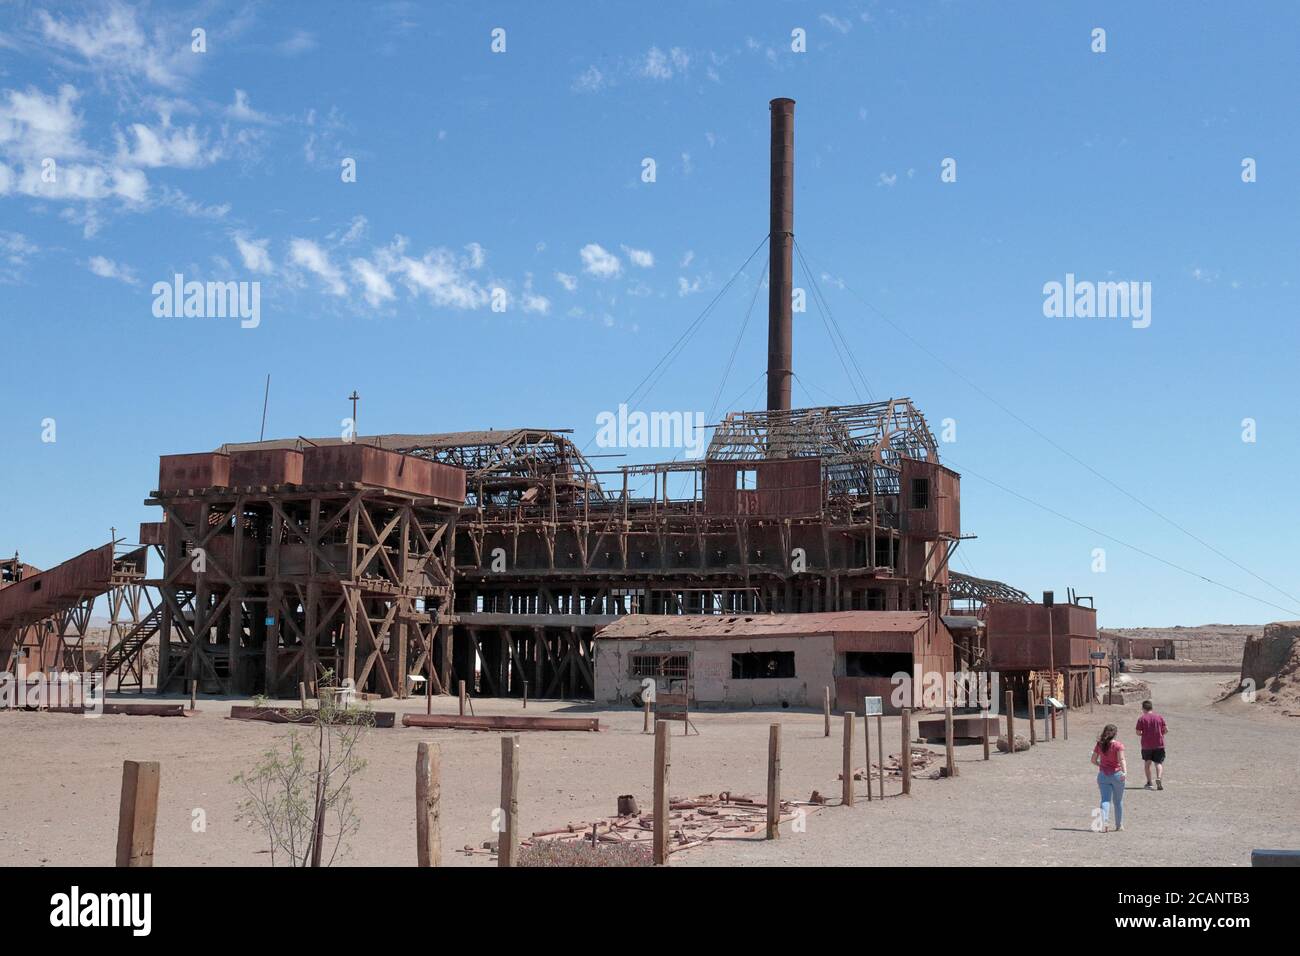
point(1231, 787)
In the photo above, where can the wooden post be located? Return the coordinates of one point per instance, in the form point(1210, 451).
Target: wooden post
point(906, 756)
point(1053, 710)
point(866, 739)
point(947, 740)
point(525, 695)
point(137, 813)
point(828, 711)
point(880, 747)
point(1011, 723)
point(847, 790)
point(645, 723)
point(508, 840)
point(1065, 714)
point(462, 698)
point(194, 695)
point(1033, 717)
point(773, 781)
point(661, 811)
point(428, 793)
point(984, 730)
point(302, 694)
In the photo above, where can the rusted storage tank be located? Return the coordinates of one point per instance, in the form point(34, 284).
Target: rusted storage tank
point(184, 472)
point(271, 466)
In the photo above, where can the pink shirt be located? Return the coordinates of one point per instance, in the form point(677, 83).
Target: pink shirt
point(1152, 728)
point(1110, 757)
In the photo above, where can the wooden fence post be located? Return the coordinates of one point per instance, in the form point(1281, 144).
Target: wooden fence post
point(661, 809)
point(194, 695)
point(508, 841)
point(137, 813)
point(1033, 717)
point(984, 728)
point(773, 781)
point(905, 758)
point(645, 723)
point(462, 698)
point(428, 813)
point(880, 748)
point(827, 701)
point(525, 695)
point(846, 791)
point(302, 694)
point(866, 748)
point(1011, 723)
point(947, 739)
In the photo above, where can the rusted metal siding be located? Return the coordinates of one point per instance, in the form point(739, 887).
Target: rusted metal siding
point(1018, 633)
point(202, 470)
point(153, 532)
point(43, 594)
point(942, 516)
point(791, 486)
point(373, 466)
point(272, 466)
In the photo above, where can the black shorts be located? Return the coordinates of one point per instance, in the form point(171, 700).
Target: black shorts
point(1155, 755)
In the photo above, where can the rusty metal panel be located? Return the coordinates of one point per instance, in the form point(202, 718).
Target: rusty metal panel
point(41, 595)
point(153, 532)
point(942, 515)
point(373, 466)
point(790, 486)
point(272, 466)
point(202, 470)
point(1018, 634)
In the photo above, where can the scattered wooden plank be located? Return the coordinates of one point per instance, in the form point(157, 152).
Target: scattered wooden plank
point(296, 715)
point(499, 722)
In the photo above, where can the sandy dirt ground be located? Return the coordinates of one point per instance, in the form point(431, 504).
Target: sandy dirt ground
point(1231, 786)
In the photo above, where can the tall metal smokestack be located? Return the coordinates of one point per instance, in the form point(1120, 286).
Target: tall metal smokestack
point(780, 335)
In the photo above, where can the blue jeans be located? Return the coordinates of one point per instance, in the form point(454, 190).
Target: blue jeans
point(1111, 786)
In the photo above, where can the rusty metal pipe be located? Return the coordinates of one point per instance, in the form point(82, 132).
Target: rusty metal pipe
point(780, 336)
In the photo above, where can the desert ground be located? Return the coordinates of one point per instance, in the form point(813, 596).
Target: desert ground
point(1230, 786)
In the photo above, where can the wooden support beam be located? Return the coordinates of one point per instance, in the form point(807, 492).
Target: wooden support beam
point(661, 808)
point(508, 839)
point(948, 742)
point(846, 792)
point(428, 812)
point(827, 708)
point(906, 756)
point(773, 781)
point(137, 814)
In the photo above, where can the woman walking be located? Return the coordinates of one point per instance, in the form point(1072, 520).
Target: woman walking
point(1112, 770)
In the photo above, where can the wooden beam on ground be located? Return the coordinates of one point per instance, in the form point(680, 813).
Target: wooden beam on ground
point(137, 813)
point(294, 715)
point(500, 722)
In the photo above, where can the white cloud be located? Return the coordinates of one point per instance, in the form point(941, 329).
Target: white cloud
point(165, 146)
point(661, 66)
point(887, 179)
point(34, 126)
point(569, 282)
point(310, 256)
point(255, 254)
point(108, 269)
point(301, 41)
point(355, 231)
point(591, 80)
point(375, 285)
point(641, 258)
point(685, 288)
point(243, 111)
point(843, 26)
point(688, 258)
point(598, 262)
point(112, 41)
point(532, 301)
point(440, 275)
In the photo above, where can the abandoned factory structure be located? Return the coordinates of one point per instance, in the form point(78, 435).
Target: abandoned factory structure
point(808, 548)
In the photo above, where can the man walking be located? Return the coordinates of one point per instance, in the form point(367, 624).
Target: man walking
point(1152, 729)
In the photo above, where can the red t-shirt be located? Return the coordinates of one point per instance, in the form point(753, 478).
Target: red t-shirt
point(1152, 728)
point(1109, 757)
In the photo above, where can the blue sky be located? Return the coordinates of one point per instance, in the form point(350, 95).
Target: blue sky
point(522, 171)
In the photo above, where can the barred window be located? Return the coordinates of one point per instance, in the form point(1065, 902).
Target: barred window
point(667, 666)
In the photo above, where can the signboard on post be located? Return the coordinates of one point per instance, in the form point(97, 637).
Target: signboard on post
point(675, 706)
point(1098, 655)
point(873, 706)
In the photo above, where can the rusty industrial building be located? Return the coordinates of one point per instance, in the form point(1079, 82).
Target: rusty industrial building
point(497, 557)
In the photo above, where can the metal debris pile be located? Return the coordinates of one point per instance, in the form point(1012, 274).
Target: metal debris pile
point(923, 758)
point(692, 822)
